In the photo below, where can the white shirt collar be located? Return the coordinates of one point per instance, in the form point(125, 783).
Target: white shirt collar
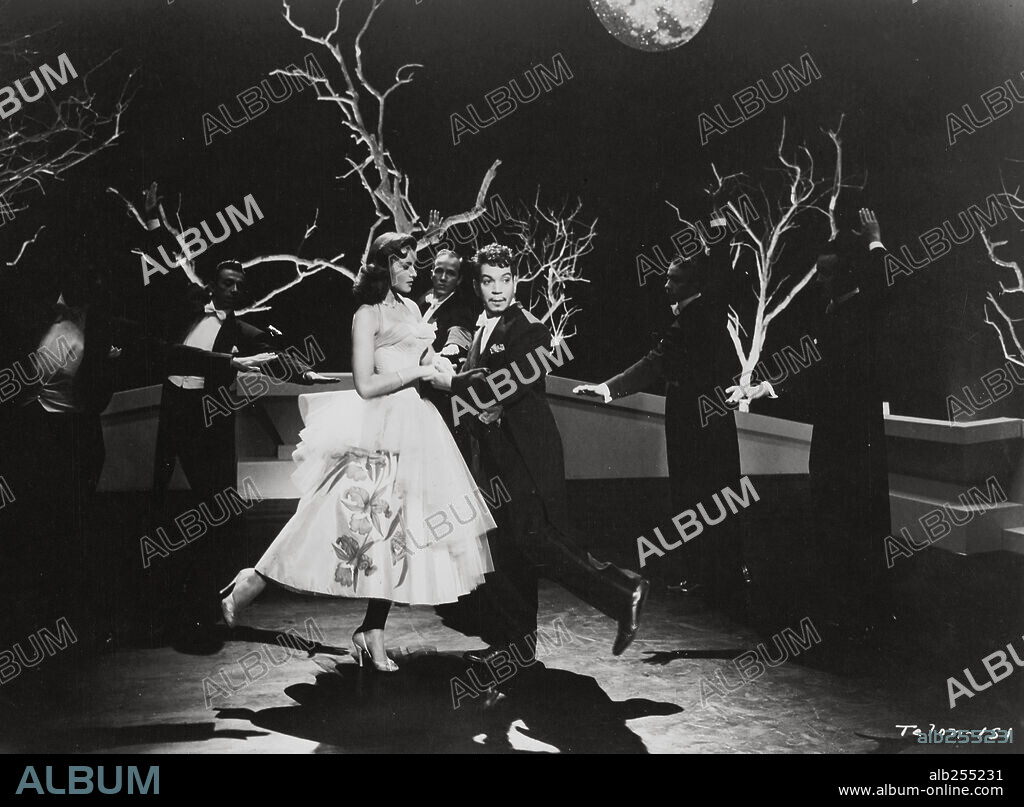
point(677, 307)
point(433, 300)
point(488, 324)
point(433, 304)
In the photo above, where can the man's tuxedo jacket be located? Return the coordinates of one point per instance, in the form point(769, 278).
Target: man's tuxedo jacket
point(841, 394)
point(235, 338)
point(527, 425)
point(455, 322)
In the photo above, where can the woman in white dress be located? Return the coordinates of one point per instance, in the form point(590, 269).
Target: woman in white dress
point(377, 469)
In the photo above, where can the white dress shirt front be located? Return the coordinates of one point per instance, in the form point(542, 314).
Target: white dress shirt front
point(202, 336)
point(434, 304)
point(488, 324)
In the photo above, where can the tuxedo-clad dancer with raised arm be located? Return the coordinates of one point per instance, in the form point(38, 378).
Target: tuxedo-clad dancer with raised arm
point(841, 396)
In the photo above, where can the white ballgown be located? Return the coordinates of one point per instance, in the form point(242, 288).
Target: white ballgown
point(389, 509)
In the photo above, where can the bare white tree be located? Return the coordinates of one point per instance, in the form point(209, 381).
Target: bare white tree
point(996, 314)
point(44, 142)
point(44, 146)
point(550, 246)
point(805, 193)
point(303, 267)
point(362, 105)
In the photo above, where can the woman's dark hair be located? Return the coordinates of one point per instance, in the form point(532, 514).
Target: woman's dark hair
point(374, 279)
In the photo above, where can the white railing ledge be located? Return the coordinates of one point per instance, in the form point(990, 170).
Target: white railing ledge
point(944, 431)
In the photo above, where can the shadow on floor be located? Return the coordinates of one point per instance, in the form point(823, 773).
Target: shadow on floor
point(292, 640)
point(162, 735)
point(414, 711)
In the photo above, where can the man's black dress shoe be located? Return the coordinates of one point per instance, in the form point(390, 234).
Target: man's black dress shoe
point(630, 624)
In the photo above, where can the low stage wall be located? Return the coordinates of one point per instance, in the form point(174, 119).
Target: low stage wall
point(946, 480)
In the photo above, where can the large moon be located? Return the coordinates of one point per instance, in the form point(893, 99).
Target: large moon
point(653, 24)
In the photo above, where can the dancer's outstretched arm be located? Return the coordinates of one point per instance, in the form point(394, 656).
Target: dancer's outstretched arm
point(643, 373)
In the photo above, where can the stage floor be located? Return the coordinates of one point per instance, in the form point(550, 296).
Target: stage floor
point(670, 692)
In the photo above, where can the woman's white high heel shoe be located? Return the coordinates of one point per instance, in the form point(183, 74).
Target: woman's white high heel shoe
point(239, 593)
point(363, 652)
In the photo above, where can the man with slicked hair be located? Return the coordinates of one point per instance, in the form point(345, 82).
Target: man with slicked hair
point(210, 349)
point(517, 441)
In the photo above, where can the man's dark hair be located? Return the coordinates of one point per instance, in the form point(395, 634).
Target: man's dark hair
point(373, 281)
point(699, 267)
point(847, 211)
point(210, 276)
point(495, 255)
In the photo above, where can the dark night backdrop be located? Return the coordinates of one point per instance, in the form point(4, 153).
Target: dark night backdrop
point(622, 136)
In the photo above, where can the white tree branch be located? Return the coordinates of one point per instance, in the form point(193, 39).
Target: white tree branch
point(25, 245)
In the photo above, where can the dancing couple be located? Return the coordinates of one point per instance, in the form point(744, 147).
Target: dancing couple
point(376, 463)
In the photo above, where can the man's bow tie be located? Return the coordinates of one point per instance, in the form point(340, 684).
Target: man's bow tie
point(221, 315)
point(486, 315)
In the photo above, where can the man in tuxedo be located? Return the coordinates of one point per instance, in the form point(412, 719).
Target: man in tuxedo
point(694, 357)
point(517, 440)
point(445, 307)
point(211, 348)
point(841, 396)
